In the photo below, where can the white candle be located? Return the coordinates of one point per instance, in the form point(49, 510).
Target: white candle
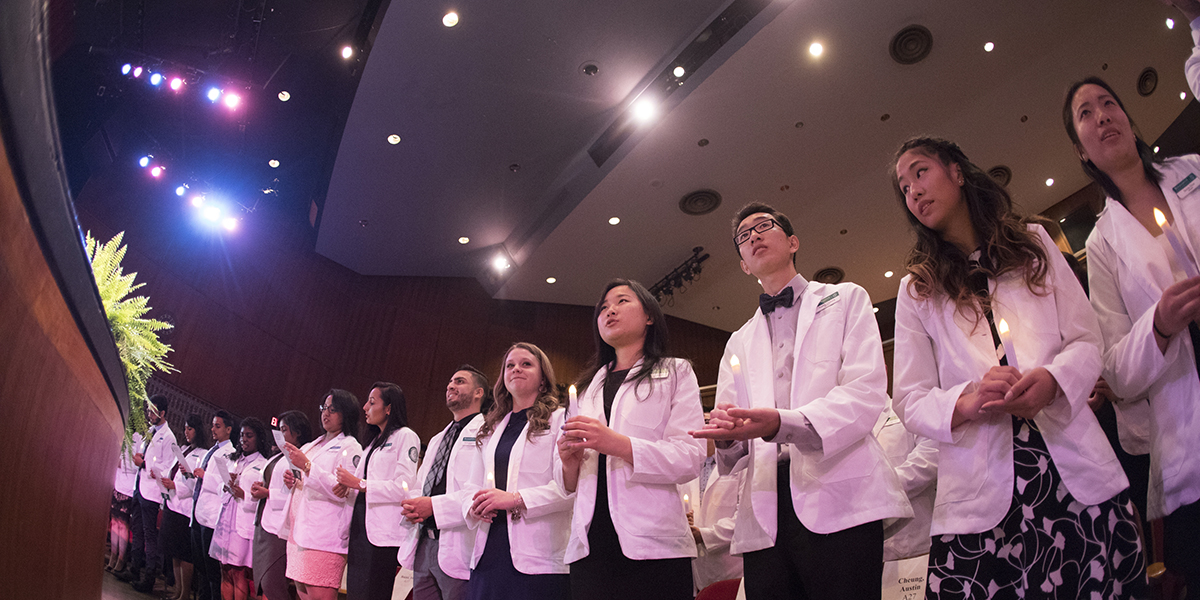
point(687, 504)
point(571, 395)
point(739, 382)
point(491, 480)
point(1006, 341)
point(1180, 254)
point(404, 484)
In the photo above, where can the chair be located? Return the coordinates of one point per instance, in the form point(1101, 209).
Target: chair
point(721, 590)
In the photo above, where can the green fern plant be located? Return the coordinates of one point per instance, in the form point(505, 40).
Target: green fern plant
point(142, 353)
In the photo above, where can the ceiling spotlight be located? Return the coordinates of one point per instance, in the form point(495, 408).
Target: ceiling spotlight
point(197, 200)
point(156, 79)
point(678, 72)
point(176, 84)
point(988, 47)
point(614, 220)
point(126, 68)
point(1156, 149)
point(1170, 23)
point(451, 19)
point(347, 52)
point(212, 213)
point(464, 240)
point(181, 190)
point(393, 139)
point(1049, 182)
point(232, 101)
point(888, 273)
point(550, 280)
point(1062, 220)
point(229, 223)
point(214, 94)
point(284, 96)
point(274, 163)
point(137, 71)
point(875, 309)
point(500, 263)
point(157, 171)
point(816, 49)
point(644, 110)
point(144, 161)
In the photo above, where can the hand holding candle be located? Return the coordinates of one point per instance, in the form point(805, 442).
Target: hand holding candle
point(687, 504)
point(1006, 341)
point(1181, 255)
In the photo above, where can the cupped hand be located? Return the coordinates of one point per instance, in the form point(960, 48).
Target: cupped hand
point(1028, 396)
point(729, 422)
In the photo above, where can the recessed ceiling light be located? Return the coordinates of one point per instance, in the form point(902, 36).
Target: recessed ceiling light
point(550, 280)
point(1062, 220)
point(614, 220)
point(464, 240)
point(1170, 23)
point(888, 273)
point(451, 19)
point(988, 47)
point(816, 49)
point(644, 110)
point(500, 263)
point(678, 72)
point(347, 52)
point(393, 139)
point(274, 163)
point(284, 96)
point(1049, 182)
point(1156, 149)
point(1183, 95)
point(875, 309)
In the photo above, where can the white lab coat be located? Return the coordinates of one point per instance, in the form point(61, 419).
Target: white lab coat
point(127, 472)
point(1127, 273)
point(277, 493)
point(393, 464)
point(180, 498)
point(840, 384)
point(714, 513)
point(643, 497)
point(538, 541)
point(915, 460)
point(316, 518)
point(247, 506)
point(456, 542)
point(207, 507)
point(942, 353)
point(158, 460)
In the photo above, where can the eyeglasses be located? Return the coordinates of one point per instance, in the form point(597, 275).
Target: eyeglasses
point(761, 227)
point(330, 408)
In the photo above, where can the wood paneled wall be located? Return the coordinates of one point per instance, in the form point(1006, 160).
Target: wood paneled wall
point(264, 324)
point(61, 428)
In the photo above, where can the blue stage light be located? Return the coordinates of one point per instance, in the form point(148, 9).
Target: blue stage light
point(181, 190)
point(144, 161)
point(126, 68)
point(156, 79)
point(137, 71)
point(214, 94)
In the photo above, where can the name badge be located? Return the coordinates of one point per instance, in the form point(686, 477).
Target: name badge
point(386, 445)
point(468, 439)
point(660, 373)
point(335, 448)
point(1187, 185)
point(827, 301)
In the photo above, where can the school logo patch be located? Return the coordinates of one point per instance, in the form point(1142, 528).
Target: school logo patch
point(356, 457)
point(412, 454)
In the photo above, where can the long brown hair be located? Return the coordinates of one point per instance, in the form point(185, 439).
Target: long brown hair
point(539, 414)
point(939, 267)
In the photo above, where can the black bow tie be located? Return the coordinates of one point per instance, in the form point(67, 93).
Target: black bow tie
point(769, 303)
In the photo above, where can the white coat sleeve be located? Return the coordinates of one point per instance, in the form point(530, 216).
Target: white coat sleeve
point(392, 490)
point(448, 508)
point(322, 479)
point(677, 457)
point(919, 469)
point(846, 414)
point(549, 497)
point(729, 459)
point(719, 535)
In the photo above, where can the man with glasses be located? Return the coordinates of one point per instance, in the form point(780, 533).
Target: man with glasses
point(439, 545)
point(797, 413)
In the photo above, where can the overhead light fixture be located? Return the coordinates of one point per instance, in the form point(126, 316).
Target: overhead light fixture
point(1062, 220)
point(284, 96)
point(176, 84)
point(393, 139)
point(816, 49)
point(213, 94)
point(551, 280)
point(451, 19)
point(144, 161)
point(181, 190)
point(273, 163)
point(157, 171)
point(1049, 182)
point(347, 52)
point(678, 72)
point(988, 47)
point(888, 273)
point(614, 220)
point(156, 79)
point(1170, 23)
point(644, 110)
point(680, 278)
point(500, 263)
point(229, 223)
point(126, 68)
point(1183, 95)
point(137, 71)
point(212, 213)
point(197, 200)
point(1156, 149)
point(232, 101)
point(464, 240)
point(875, 309)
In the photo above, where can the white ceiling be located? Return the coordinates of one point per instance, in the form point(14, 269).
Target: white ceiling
point(505, 87)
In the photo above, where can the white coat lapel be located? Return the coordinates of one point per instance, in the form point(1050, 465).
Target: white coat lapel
point(1136, 247)
point(756, 356)
point(620, 398)
point(810, 298)
point(1181, 192)
point(762, 477)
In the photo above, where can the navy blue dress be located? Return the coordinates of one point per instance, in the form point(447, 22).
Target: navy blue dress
point(495, 577)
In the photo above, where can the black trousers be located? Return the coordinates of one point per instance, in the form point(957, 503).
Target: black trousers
point(844, 565)
point(207, 568)
point(149, 518)
point(136, 556)
point(1181, 530)
point(606, 572)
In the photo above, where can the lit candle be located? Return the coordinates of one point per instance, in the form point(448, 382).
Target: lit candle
point(687, 504)
point(1006, 341)
point(739, 381)
point(571, 395)
point(1180, 254)
point(491, 480)
point(404, 484)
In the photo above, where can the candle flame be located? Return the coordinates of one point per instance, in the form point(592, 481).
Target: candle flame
point(734, 362)
point(571, 391)
point(404, 484)
point(1002, 326)
point(1160, 218)
point(685, 497)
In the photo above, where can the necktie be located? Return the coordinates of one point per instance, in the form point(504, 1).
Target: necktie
point(200, 480)
point(440, 459)
point(137, 484)
point(769, 303)
point(977, 279)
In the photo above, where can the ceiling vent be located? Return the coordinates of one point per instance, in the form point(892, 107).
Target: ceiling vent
point(1147, 81)
point(829, 275)
point(700, 202)
point(1001, 173)
point(911, 45)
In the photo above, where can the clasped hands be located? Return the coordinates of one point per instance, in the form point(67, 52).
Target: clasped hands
point(581, 432)
point(1004, 389)
point(490, 501)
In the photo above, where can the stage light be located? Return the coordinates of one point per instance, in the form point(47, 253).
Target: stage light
point(144, 161)
point(816, 49)
point(176, 84)
point(232, 101)
point(212, 213)
point(500, 263)
point(126, 68)
point(644, 110)
point(197, 200)
point(181, 190)
point(156, 79)
point(137, 71)
point(157, 171)
point(347, 52)
point(284, 96)
point(214, 94)
point(229, 223)
point(451, 19)
point(274, 164)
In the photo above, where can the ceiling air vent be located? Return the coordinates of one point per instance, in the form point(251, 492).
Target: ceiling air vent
point(1001, 173)
point(700, 202)
point(911, 45)
point(829, 275)
point(1147, 81)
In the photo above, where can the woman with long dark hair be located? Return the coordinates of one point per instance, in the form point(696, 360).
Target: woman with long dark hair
point(175, 532)
point(318, 521)
point(231, 543)
point(1147, 297)
point(521, 514)
point(1030, 497)
point(625, 451)
point(379, 483)
point(270, 551)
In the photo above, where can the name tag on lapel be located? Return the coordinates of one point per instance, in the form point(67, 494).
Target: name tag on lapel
point(827, 301)
point(1187, 185)
point(386, 445)
point(660, 373)
point(470, 438)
